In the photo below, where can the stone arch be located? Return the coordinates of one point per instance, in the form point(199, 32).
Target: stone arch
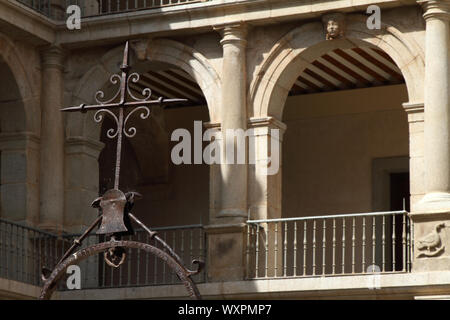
point(161, 50)
point(19, 135)
point(194, 63)
point(301, 46)
point(28, 94)
point(83, 144)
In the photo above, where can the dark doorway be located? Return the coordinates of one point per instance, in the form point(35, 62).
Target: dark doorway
point(399, 189)
point(399, 200)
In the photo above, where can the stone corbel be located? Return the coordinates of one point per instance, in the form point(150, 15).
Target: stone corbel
point(140, 48)
point(53, 57)
point(334, 25)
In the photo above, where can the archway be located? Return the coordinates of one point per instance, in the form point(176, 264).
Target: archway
point(19, 138)
point(341, 101)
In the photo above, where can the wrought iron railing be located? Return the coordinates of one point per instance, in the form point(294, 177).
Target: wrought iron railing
point(360, 243)
point(141, 268)
point(56, 9)
point(24, 251)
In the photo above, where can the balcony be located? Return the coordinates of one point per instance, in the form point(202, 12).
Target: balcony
point(56, 9)
point(24, 251)
point(344, 245)
point(333, 245)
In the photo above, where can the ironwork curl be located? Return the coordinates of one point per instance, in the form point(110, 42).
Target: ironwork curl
point(115, 78)
point(131, 132)
point(146, 93)
point(112, 132)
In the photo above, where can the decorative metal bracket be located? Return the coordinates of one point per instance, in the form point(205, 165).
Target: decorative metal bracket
point(115, 206)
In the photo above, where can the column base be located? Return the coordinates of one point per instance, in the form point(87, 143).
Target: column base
point(226, 245)
point(434, 202)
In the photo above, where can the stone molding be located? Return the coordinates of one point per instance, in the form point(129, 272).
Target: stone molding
point(18, 140)
point(434, 9)
point(415, 112)
point(225, 228)
point(83, 145)
point(234, 34)
point(53, 57)
point(270, 122)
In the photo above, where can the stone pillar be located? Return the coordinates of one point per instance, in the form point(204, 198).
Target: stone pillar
point(437, 107)
point(265, 172)
point(81, 183)
point(415, 112)
point(19, 177)
point(226, 233)
point(233, 201)
point(431, 216)
point(265, 194)
point(51, 181)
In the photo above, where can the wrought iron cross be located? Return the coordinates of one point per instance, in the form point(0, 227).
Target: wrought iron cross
point(114, 204)
point(123, 93)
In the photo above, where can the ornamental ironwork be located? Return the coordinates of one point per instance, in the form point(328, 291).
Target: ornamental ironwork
point(115, 207)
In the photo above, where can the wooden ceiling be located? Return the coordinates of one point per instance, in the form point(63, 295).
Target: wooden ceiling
point(170, 83)
point(344, 69)
point(340, 69)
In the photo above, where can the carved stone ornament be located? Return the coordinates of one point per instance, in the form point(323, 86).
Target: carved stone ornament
point(334, 25)
point(431, 244)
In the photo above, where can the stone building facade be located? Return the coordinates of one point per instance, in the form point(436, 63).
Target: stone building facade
point(363, 119)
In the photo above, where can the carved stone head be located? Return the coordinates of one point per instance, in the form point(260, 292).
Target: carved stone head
point(334, 25)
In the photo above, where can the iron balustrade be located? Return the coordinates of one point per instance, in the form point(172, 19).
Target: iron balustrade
point(140, 268)
point(56, 9)
point(331, 245)
point(24, 251)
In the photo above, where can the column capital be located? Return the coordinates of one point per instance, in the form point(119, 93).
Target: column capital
point(53, 57)
point(18, 141)
point(435, 9)
point(235, 33)
point(269, 122)
point(411, 108)
point(83, 145)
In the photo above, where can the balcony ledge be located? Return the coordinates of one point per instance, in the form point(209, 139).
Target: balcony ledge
point(10, 289)
point(190, 17)
point(391, 286)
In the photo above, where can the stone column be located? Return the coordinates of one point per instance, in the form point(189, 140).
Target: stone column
point(431, 216)
point(437, 107)
point(233, 201)
point(415, 112)
point(51, 184)
point(265, 194)
point(265, 171)
point(226, 233)
point(81, 182)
